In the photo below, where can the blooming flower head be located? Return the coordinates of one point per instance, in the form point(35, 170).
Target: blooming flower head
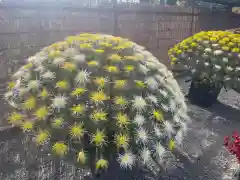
point(127, 160)
point(42, 137)
point(76, 131)
point(102, 163)
point(60, 149)
point(59, 102)
point(99, 138)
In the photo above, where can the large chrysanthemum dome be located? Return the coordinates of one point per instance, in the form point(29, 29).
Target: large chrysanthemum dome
point(106, 89)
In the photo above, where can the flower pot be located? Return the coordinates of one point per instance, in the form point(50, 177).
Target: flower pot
point(203, 94)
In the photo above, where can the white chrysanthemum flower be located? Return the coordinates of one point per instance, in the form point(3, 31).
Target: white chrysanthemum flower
point(70, 52)
point(215, 45)
point(59, 61)
point(32, 59)
point(153, 99)
point(139, 119)
point(126, 160)
point(168, 127)
point(206, 42)
point(19, 73)
point(139, 103)
point(217, 67)
point(225, 59)
point(165, 107)
point(151, 65)
point(162, 92)
point(206, 64)
point(143, 69)
point(229, 68)
point(82, 77)
point(160, 151)
point(142, 135)
point(145, 155)
point(172, 104)
point(40, 69)
point(59, 102)
point(157, 131)
point(179, 138)
point(237, 68)
point(151, 83)
point(160, 79)
point(49, 75)
point(79, 58)
point(218, 52)
point(34, 84)
point(8, 95)
point(208, 50)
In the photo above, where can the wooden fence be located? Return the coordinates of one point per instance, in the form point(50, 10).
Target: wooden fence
point(26, 27)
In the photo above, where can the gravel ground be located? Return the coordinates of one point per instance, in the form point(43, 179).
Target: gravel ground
point(202, 155)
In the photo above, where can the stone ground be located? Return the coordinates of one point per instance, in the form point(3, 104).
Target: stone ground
point(202, 155)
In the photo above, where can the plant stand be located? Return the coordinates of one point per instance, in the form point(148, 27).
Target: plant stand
point(203, 94)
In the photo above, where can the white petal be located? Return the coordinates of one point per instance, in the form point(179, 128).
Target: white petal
point(157, 131)
point(139, 119)
point(168, 128)
point(59, 61)
point(151, 83)
point(143, 69)
point(142, 135)
point(79, 58)
point(145, 155)
point(160, 151)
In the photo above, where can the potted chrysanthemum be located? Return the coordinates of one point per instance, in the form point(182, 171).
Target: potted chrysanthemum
point(213, 58)
point(94, 95)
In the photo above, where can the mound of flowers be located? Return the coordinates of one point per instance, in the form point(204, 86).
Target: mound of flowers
point(211, 56)
point(98, 93)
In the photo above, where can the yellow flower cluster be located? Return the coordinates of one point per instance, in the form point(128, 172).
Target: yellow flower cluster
point(210, 55)
point(97, 86)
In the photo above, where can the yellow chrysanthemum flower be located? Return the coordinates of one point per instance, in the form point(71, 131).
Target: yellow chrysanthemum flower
point(11, 85)
point(92, 63)
point(98, 96)
point(119, 84)
point(99, 138)
point(63, 85)
point(30, 103)
point(78, 92)
point(171, 145)
point(99, 115)
point(44, 93)
point(225, 48)
point(42, 113)
point(120, 101)
point(81, 157)
point(111, 69)
point(69, 66)
point(122, 120)
point(102, 163)
point(235, 50)
point(132, 58)
point(128, 68)
point(99, 51)
point(140, 84)
point(100, 81)
point(54, 54)
point(85, 46)
point(115, 58)
point(78, 109)
point(193, 44)
point(28, 66)
point(57, 122)
point(60, 149)
point(27, 126)
point(122, 140)
point(158, 115)
point(42, 137)
point(76, 131)
point(15, 118)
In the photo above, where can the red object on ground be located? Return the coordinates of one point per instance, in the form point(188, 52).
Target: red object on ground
point(233, 144)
